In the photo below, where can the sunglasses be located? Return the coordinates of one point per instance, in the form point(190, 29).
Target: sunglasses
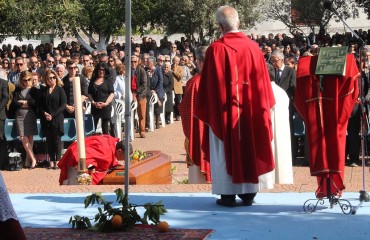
point(134, 61)
point(27, 80)
point(19, 64)
point(52, 78)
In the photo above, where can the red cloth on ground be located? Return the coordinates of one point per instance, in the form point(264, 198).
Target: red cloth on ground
point(194, 130)
point(326, 125)
point(234, 100)
point(100, 152)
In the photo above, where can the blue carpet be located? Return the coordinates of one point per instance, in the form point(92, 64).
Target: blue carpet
point(273, 216)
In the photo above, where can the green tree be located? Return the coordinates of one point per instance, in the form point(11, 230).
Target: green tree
point(365, 4)
point(297, 13)
point(198, 16)
point(97, 21)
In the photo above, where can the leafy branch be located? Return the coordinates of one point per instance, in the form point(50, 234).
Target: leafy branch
point(128, 214)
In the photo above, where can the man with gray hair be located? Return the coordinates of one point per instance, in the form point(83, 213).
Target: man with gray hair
point(234, 101)
point(155, 84)
point(285, 77)
point(20, 66)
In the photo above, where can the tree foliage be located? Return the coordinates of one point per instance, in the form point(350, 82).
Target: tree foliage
point(97, 20)
point(309, 13)
point(365, 4)
point(198, 16)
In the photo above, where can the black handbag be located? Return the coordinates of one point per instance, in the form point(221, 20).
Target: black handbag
point(15, 161)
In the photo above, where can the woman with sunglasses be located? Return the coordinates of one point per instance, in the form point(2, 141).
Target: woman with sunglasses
point(6, 65)
point(53, 101)
point(24, 104)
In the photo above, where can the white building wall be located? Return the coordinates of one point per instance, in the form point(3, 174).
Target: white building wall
point(274, 27)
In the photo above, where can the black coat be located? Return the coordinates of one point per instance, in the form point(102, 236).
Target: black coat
point(168, 87)
point(54, 104)
point(141, 82)
point(31, 102)
point(4, 97)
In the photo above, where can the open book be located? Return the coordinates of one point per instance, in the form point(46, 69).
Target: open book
point(331, 61)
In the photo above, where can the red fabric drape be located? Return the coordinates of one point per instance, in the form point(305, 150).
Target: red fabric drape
point(325, 108)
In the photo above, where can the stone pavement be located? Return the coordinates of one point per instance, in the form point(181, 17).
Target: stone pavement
point(170, 141)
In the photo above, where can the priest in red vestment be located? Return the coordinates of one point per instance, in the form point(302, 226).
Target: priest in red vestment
point(234, 99)
point(194, 130)
point(101, 152)
point(325, 106)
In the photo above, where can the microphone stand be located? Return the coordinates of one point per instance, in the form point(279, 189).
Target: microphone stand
point(364, 196)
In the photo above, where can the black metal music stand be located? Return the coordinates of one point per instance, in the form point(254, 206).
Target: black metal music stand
point(310, 205)
point(364, 196)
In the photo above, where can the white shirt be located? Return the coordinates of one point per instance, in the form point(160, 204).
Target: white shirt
point(119, 87)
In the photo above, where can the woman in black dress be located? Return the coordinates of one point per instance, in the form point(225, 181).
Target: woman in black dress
point(53, 101)
point(24, 104)
point(168, 88)
point(101, 93)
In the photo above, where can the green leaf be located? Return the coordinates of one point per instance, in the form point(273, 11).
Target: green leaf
point(119, 194)
point(97, 216)
point(87, 201)
point(87, 221)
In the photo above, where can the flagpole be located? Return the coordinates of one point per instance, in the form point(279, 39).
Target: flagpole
point(127, 93)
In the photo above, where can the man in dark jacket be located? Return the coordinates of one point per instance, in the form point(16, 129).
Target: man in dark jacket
point(155, 84)
point(285, 77)
point(139, 88)
point(68, 88)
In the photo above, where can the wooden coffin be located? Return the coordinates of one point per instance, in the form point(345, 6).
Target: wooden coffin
point(153, 169)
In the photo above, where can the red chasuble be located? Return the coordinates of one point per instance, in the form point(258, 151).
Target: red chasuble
point(194, 130)
point(325, 108)
point(100, 152)
point(234, 100)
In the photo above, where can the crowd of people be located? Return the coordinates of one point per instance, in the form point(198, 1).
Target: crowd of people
point(37, 84)
point(233, 110)
point(163, 69)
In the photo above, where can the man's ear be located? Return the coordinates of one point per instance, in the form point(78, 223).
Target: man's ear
point(221, 28)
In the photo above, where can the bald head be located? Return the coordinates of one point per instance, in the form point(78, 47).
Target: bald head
point(228, 19)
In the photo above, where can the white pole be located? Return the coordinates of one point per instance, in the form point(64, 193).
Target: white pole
point(79, 128)
point(127, 92)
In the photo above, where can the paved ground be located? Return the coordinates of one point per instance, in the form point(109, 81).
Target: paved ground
point(169, 140)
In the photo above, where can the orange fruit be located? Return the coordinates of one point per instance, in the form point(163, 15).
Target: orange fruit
point(163, 227)
point(116, 222)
